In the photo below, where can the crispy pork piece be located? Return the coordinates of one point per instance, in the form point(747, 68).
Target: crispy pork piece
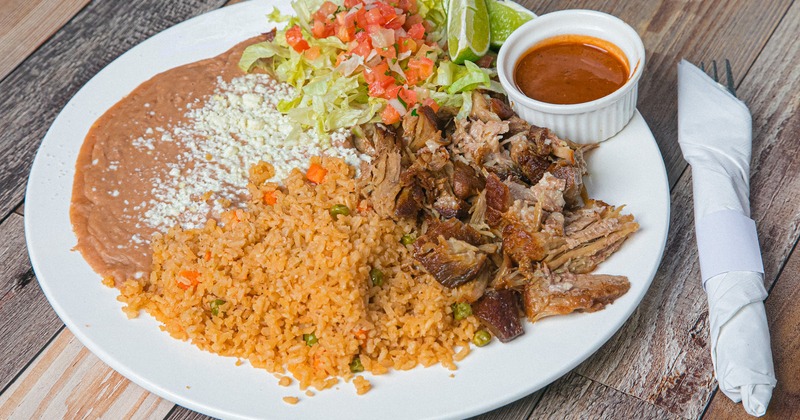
point(549, 191)
point(523, 246)
point(531, 164)
point(573, 177)
point(409, 202)
point(456, 229)
point(364, 145)
point(476, 140)
point(481, 108)
point(450, 261)
point(519, 191)
point(422, 128)
point(383, 182)
point(498, 200)
point(554, 224)
point(450, 252)
point(499, 311)
point(501, 109)
point(471, 291)
point(566, 293)
point(517, 125)
point(450, 206)
point(602, 232)
point(466, 181)
point(541, 140)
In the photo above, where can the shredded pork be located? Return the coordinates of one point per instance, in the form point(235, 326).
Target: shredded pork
point(502, 212)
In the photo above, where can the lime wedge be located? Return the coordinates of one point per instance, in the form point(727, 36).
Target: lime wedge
point(504, 17)
point(467, 30)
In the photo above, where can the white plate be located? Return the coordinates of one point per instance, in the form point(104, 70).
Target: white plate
point(626, 169)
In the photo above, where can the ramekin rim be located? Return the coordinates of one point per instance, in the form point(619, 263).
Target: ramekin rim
point(516, 95)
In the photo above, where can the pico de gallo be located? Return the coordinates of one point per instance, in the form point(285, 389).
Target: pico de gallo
point(359, 61)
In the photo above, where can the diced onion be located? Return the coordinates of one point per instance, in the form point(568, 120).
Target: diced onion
point(382, 38)
point(395, 103)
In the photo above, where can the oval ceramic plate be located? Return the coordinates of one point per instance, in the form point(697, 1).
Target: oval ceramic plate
point(627, 169)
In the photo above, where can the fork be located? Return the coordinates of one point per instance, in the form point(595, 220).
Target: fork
point(728, 75)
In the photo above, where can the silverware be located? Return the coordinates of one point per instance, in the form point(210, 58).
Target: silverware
point(730, 83)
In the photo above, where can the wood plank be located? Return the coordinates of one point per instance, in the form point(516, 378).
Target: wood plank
point(638, 358)
point(783, 314)
point(26, 24)
point(67, 381)
point(32, 96)
point(20, 210)
point(577, 397)
point(667, 337)
point(183, 413)
point(27, 322)
point(519, 409)
point(695, 30)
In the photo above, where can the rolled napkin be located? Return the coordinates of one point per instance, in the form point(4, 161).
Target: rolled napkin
point(715, 135)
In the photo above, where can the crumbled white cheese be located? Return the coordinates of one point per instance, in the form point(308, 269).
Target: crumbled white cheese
point(236, 128)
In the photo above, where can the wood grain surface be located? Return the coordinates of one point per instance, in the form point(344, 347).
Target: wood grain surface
point(783, 314)
point(37, 89)
point(68, 381)
point(656, 366)
point(25, 24)
point(27, 322)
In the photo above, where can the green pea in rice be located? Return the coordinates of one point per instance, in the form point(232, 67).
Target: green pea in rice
point(290, 269)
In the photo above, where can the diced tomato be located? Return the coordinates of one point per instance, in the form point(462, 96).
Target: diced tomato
point(379, 89)
point(387, 52)
point(325, 10)
point(363, 48)
point(386, 10)
point(363, 45)
point(294, 37)
point(374, 17)
point(431, 103)
point(379, 80)
point(321, 29)
point(346, 33)
point(361, 18)
point(417, 31)
point(412, 77)
point(404, 45)
point(352, 3)
point(423, 66)
point(409, 97)
point(390, 115)
point(377, 73)
point(396, 22)
point(312, 53)
point(392, 91)
point(412, 20)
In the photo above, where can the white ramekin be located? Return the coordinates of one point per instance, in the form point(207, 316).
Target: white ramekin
point(586, 122)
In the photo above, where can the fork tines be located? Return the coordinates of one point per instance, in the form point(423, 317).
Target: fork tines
point(730, 84)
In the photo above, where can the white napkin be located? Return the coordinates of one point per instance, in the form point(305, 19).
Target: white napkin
point(714, 132)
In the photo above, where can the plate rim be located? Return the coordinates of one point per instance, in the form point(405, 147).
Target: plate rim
point(183, 400)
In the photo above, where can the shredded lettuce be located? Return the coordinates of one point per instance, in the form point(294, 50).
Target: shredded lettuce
point(469, 77)
point(330, 96)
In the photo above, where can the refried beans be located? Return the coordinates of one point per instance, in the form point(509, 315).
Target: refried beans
point(176, 151)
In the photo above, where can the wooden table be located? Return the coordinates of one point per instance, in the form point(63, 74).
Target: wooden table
point(656, 366)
